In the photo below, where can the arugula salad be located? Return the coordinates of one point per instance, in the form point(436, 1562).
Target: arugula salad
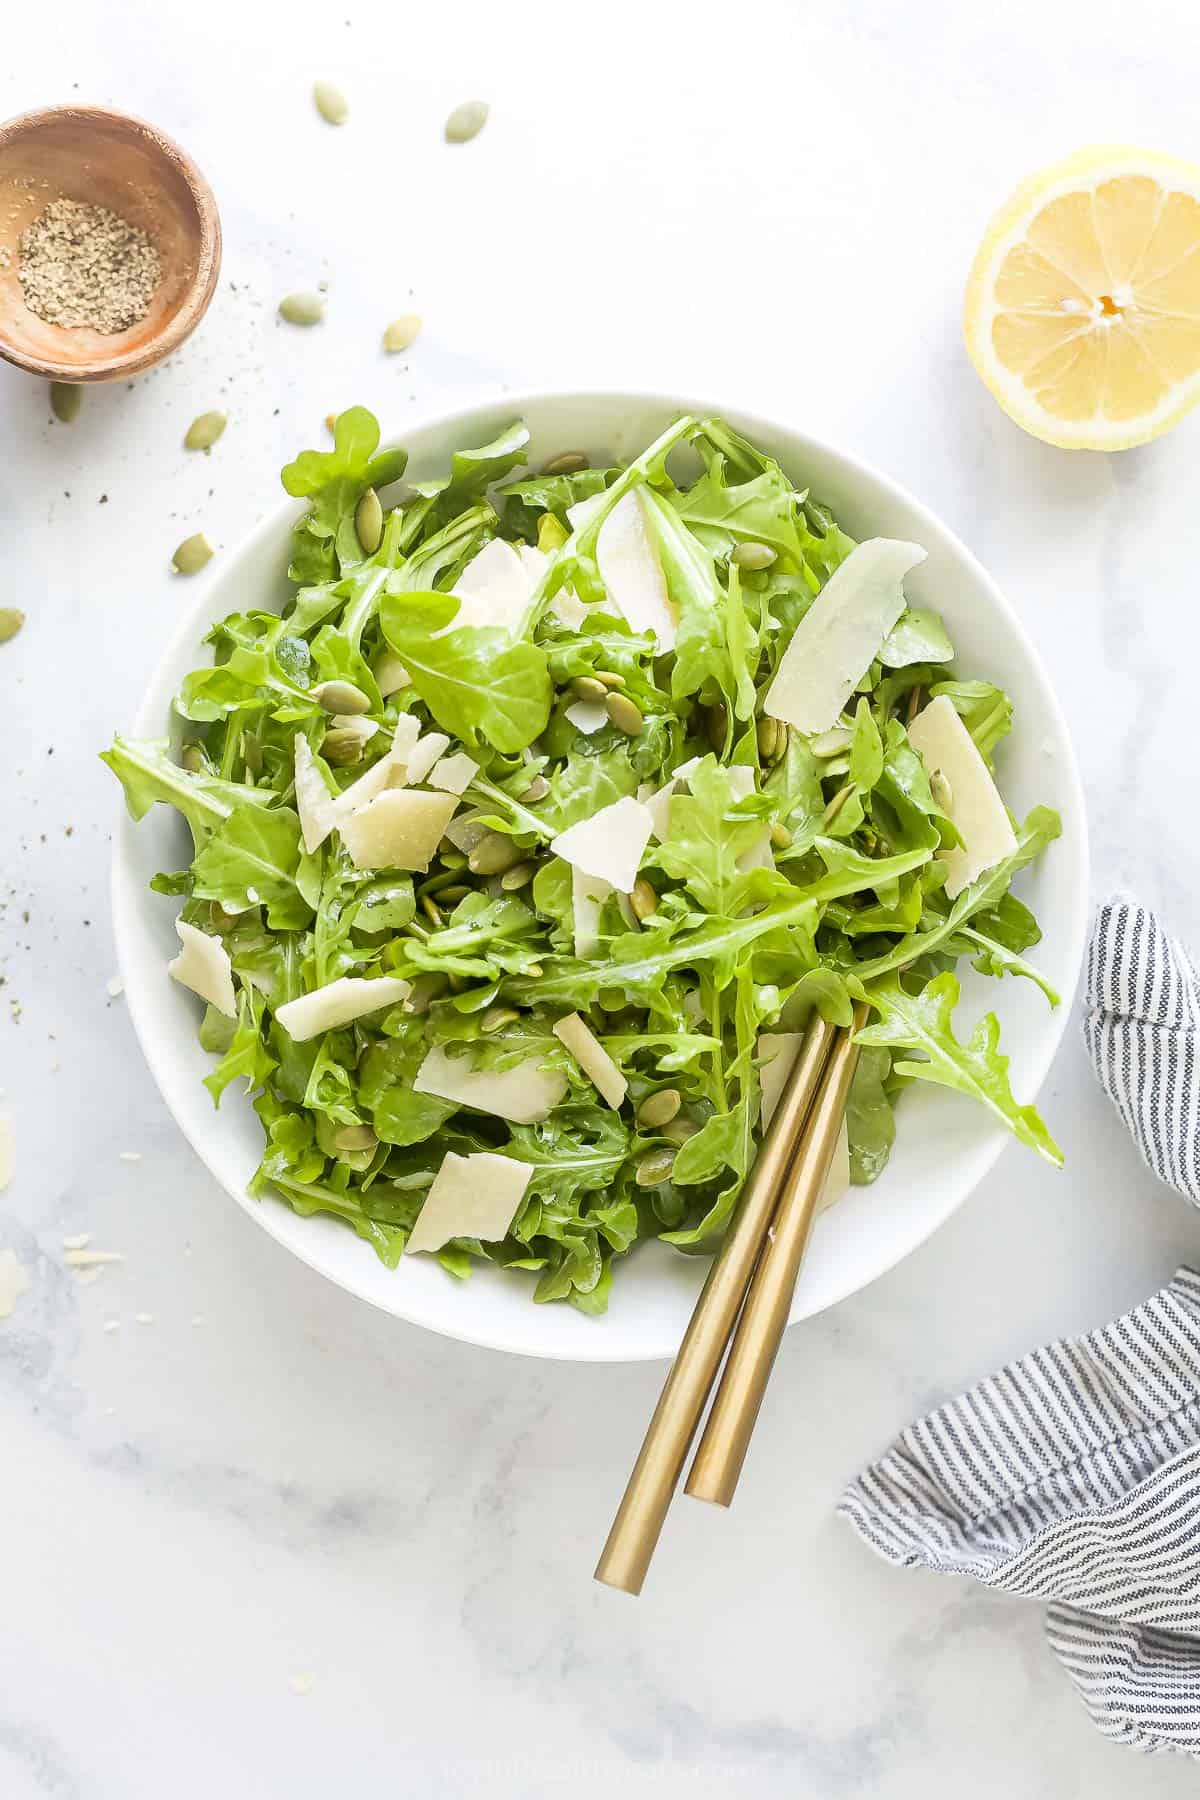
point(527, 836)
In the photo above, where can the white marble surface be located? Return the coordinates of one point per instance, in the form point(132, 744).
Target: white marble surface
point(777, 205)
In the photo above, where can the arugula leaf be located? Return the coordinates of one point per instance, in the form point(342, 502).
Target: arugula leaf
point(922, 1023)
point(478, 684)
point(252, 859)
point(918, 636)
point(870, 1120)
point(336, 479)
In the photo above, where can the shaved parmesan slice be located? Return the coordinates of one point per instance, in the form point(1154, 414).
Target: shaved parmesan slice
point(399, 829)
point(423, 755)
point(565, 606)
point(834, 643)
point(453, 774)
point(521, 1095)
point(973, 806)
point(317, 807)
point(632, 574)
point(592, 1058)
point(609, 845)
point(534, 562)
point(339, 1003)
point(390, 771)
point(776, 1053)
point(588, 894)
point(204, 966)
point(390, 674)
point(493, 589)
point(474, 1196)
point(587, 716)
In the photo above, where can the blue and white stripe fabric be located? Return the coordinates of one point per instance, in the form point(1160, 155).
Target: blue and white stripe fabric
point(1073, 1476)
point(1142, 1032)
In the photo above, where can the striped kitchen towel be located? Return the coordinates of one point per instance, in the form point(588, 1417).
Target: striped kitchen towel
point(1073, 1476)
point(1142, 1032)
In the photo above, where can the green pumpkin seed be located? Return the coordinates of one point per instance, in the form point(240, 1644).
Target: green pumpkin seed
point(569, 463)
point(828, 744)
point(302, 309)
point(401, 332)
point(452, 859)
point(11, 621)
point(586, 688)
point(204, 431)
point(330, 102)
point(680, 1130)
point(715, 722)
point(191, 758)
point(66, 398)
point(355, 1137)
point(368, 522)
point(191, 556)
point(497, 1017)
point(456, 891)
point(466, 121)
point(343, 747)
point(341, 697)
point(513, 880)
point(624, 714)
point(494, 854)
point(538, 788)
point(653, 1170)
point(753, 556)
point(768, 737)
point(836, 804)
point(610, 678)
point(429, 907)
point(781, 837)
point(643, 899)
point(943, 793)
point(660, 1108)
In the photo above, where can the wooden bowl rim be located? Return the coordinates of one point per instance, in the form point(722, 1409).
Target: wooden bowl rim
point(203, 284)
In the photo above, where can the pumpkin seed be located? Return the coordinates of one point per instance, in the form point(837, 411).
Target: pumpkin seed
point(610, 678)
point(569, 463)
point(494, 854)
point(330, 102)
point(680, 1130)
point(302, 309)
point(11, 621)
point(341, 697)
point(191, 758)
point(368, 522)
point(836, 804)
point(660, 1108)
point(585, 687)
point(914, 705)
point(519, 877)
point(497, 1017)
point(452, 859)
point(818, 519)
point(781, 837)
point(429, 907)
point(204, 431)
point(191, 556)
point(828, 744)
point(715, 720)
point(538, 788)
point(943, 793)
point(768, 735)
point(355, 1137)
point(625, 714)
point(66, 398)
point(342, 747)
point(643, 899)
point(426, 989)
point(466, 121)
point(401, 332)
point(753, 556)
point(654, 1169)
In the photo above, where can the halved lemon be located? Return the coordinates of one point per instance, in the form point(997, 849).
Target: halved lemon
point(1082, 311)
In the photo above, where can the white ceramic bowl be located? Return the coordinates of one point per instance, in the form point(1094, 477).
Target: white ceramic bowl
point(944, 1145)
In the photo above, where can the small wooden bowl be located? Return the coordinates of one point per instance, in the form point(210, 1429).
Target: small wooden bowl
point(109, 159)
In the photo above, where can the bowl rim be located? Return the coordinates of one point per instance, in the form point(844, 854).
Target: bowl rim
point(125, 893)
point(201, 288)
